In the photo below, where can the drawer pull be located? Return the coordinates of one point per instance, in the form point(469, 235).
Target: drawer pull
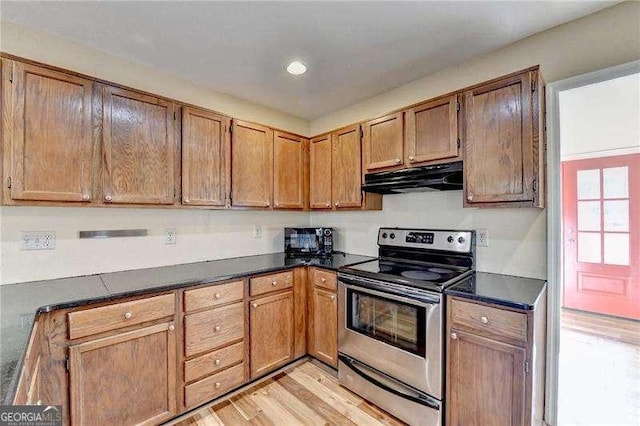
point(217, 385)
point(274, 283)
point(216, 328)
point(411, 158)
point(255, 305)
point(484, 320)
point(128, 315)
point(85, 197)
point(217, 296)
point(216, 362)
point(172, 327)
point(324, 280)
point(397, 161)
point(454, 336)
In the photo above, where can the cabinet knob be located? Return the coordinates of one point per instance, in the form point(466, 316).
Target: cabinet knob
point(128, 315)
point(217, 385)
point(333, 297)
point(484, 320)
point(268, 204)
point(216, 328)
point(172, 327)
point(398, 161)
point(216, 362)
point(217, 296)
point(454, 336)
point(277, 204)
point(274, 283)
point(39, 402)
point(186, 201)
point(328, 204)
point(324, 280)
point(411, 158)
point(85, 197)
point(469, 197)
point(108, 198)
point(337, 203)
point(255, 305)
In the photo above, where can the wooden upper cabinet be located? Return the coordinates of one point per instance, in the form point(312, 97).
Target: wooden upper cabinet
point(251, 165)
point(49, 135)
point(346, 171)
point(502, 158)
point(432, 131)
point(290, 171)
point(205, 159)
point(383, 142)
point(139, 148)
point(320, 172)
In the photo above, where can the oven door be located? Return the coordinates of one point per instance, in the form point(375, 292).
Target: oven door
point(397, 335)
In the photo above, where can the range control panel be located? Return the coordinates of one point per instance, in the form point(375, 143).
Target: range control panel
point(445, 240)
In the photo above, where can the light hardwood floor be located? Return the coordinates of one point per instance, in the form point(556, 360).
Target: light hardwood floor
point(599, 375)
point(300, 395)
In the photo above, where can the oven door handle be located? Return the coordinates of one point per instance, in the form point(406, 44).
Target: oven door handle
point(421, 301)
point(425, 400)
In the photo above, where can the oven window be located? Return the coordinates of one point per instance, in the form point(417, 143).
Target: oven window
point(398, 324)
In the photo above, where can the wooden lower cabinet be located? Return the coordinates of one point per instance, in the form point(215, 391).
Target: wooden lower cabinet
point(271, 325)
point(473, 362)
point(127, 378)
point(495, 364)
point(323, 325)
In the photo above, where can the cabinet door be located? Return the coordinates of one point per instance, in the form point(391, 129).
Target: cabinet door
point(347, 175)
point(289, 171)
point(271, 330)
point(485, 381)
point(432, 131)
point(320, 172)
point(129, 378)
point(51, 140)
point(139, 148)
point(383, 142)
point(251, 165)
point(205, 145)
point(499, 145)
point(324, 326)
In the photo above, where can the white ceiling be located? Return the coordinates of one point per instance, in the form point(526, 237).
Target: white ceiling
point(354, 50)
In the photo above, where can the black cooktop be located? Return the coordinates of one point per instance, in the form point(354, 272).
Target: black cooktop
point(428, 276)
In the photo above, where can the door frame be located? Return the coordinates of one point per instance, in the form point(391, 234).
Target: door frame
point(554, 221)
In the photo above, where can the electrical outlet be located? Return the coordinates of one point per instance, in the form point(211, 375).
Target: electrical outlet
point(482, 237)
point(257, 231)
point(169, 236)
point(38, 240)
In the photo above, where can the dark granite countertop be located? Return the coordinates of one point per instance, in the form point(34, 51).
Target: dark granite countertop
point(506, 290)
point(21, 303)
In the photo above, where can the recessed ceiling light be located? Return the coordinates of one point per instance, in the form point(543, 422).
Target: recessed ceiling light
point(296, 68)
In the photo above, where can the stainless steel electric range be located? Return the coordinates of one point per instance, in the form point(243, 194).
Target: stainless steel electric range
point(391, 320)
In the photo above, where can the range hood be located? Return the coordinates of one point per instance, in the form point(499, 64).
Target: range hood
point(440, 177)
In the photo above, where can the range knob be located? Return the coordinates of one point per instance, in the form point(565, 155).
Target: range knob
point(461, 240)
point(450, 239)
point(384, 235)
point(392, 236)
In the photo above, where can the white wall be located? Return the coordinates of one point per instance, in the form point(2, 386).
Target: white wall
point(517, 238)
point(600, 40)
point(600, 119)
point(201, 235)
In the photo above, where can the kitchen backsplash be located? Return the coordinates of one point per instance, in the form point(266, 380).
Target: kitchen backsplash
point(517, 237)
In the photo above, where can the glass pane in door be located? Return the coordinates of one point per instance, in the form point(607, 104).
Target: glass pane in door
point(395, 323)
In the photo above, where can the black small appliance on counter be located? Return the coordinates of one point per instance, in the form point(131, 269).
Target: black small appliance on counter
point(307, 242)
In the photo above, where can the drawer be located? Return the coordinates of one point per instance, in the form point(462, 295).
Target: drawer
point(214, 361)
point(324, 279)
point(213, 386)
point(269, 283)
point(111, 317)
point(213, 296)
point(213, 328)
point(488, 320)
